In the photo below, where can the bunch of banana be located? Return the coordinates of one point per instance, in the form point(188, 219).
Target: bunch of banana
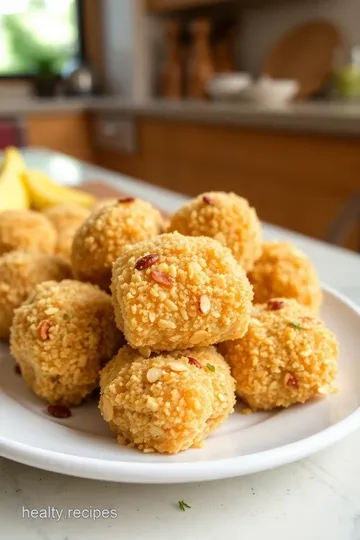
point(13, 194)
point(21, 188)
point(44, 192)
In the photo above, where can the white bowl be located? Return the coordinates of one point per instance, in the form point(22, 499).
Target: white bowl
point(228, 86)
point(271, 92)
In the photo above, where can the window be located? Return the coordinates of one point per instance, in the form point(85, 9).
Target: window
point(38, 36)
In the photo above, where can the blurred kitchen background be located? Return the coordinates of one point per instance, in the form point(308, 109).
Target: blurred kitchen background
point(261, 97)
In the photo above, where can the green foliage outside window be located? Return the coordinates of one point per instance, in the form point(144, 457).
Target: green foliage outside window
point(39, 39)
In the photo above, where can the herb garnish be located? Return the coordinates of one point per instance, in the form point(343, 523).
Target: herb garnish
point(183, 505)
point(295, 325)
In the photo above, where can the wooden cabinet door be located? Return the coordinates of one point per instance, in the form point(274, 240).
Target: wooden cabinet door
point(67, 133)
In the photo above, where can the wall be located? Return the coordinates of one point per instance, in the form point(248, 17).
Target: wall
point(130, 38)
point(260, 28)
point(118, 45)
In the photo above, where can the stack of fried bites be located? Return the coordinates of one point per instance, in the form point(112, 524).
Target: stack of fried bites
point(207, 311)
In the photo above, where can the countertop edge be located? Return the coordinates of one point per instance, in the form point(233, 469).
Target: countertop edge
point(340, 119)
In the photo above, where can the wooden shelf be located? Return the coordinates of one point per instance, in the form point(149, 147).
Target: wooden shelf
point(164, 6)
point(169, 6)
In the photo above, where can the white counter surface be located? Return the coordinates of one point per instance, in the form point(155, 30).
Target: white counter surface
point(315, 499)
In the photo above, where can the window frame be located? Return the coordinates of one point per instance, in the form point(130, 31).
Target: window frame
point(82, 48)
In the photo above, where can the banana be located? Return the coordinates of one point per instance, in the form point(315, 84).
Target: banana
point(13, 194)
point(44, 193)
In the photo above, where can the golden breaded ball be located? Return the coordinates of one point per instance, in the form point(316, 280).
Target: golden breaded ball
point(26, 230)
point(61, 337)
point(286, 357)
point(226, 217)
point(100, 240)
point(66, 215)
point(20, 271)
point(283, 270)
point(168, 402)
point(66, 219)
point(176, 292)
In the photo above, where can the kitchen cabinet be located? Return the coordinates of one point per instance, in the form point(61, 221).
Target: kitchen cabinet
point(68, 133)
point(296, 180)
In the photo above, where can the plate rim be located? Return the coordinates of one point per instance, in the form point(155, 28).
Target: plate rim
point(180, 472)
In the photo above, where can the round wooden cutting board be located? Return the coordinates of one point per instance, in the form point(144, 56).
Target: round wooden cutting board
point(305, 54)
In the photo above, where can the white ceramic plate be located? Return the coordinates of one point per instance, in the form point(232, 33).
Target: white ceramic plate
point(83, 446)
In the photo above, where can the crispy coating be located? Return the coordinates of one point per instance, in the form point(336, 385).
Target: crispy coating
point(286, 357)
point(100, 240)
point(226, 217)
point(169, 402)
point(66, 219)
point(61, 337)
point(20, 271)
point(26, 230)
point(194, 294)
point(283, 270)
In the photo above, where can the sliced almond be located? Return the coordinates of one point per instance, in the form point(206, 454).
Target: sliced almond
point(147, 261)
point(291, 380)
point(275, 305)
point(44, 330)
point(163, 323)
point(204, 304)
point(171, 306)
point(154, 374)
point(156, 431)
point(162, 278)
point(177, 366)
point(107, 409)
point(125, 200)
point(208, 200)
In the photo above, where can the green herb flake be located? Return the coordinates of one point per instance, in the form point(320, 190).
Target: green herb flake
point(183, 505)
point(295, 325)
point(210, 367)
point(66, 316)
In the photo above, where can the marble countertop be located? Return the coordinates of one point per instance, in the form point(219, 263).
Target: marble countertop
point(329, 117)
point(315, 499)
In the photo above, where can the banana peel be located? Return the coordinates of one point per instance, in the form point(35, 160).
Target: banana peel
point(44, 193)
point(13, 193)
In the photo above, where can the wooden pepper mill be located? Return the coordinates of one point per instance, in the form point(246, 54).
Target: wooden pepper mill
point(171, 79)
point(224, 45)
point(200, 68)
